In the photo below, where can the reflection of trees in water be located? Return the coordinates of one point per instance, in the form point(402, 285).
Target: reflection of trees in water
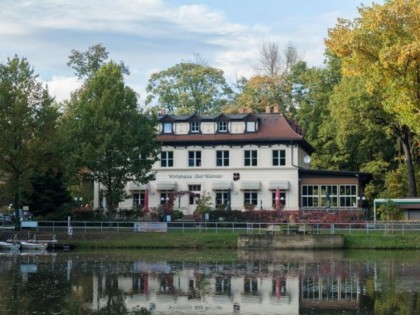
point(380, 283)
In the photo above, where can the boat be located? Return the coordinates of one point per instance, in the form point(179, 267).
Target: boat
point(9, 246)
point(33, 246)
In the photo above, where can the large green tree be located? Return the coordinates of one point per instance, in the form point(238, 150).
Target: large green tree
point(188, 88)
point(28, 124)
point(383, 46)
point(111, 141)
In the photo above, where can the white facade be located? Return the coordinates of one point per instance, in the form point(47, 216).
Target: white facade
point(202, 157)
point(239, 161)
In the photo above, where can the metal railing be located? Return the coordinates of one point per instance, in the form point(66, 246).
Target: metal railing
point(389, 227)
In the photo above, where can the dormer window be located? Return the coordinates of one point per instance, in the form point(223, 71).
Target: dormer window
point(195, 127)
point(167, 127)
point(222, 126)
point(251, 126)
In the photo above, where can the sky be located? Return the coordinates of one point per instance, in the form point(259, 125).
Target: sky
point(153, 35)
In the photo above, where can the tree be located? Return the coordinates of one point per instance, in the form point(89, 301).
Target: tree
point(28, 124)
point(48, 194)
point(273, 62)
point(188, 88)
point(383, 46)
point(110, 141)
point(312, 89)
point(271, 85)
point(85, 64)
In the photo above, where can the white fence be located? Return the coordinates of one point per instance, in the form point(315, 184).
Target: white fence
point(400, 227)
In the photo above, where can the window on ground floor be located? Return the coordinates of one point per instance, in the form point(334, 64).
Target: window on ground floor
point(310, 196)
point(138, 198)
point(329, 196)
point(282, 198)
point(222, 198)
point(250, 198)
point(165, 195)
point(348, 196)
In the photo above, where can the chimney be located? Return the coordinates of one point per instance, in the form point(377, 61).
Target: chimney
point(268, 109)
point(162, 112)
point(275, 108)
point(249, 110)
point(241, 110)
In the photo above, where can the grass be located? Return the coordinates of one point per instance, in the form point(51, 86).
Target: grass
point(210, 240)
point(376, 241)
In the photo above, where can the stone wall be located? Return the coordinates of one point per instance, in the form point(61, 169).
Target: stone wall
point(295, 241)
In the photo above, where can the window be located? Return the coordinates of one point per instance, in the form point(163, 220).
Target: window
point(279, 157)
point(310, 196)
point(250, 158)
point(329, 196)
point(138, 199)
point(278, 287)
point(251, 126)
point(282, 198)
point(348, 196)
point(164, 196)
point(167, 159)
point(222, 285)
point(250, 197)
point(194, 158)
point(195, 127)
point(222, 126)
point(251, 286)
point(167, 127)
point(222, 158)
point(222, 198)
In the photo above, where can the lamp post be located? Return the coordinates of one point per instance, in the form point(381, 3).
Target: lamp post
point(361, 204)
point(229, 199)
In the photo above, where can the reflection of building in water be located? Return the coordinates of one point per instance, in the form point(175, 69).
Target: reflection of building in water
point(205, 291)
point(248, 288)
point(330, 291)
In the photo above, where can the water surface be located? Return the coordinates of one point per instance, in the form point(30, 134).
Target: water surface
point(210, 282)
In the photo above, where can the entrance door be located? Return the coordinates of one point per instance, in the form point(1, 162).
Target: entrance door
point(195, 191)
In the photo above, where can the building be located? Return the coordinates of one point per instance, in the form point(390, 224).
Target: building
point(241, 161)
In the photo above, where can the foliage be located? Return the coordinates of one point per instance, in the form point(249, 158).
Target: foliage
point(122, 145)
point(389, 211)
point(312, 91)
point(49, 193)
point(85, 64)
point(271, 86)
point(203, 204)
point(188, 88)
point(27, 126)
point(383, 47)
point(177, 214)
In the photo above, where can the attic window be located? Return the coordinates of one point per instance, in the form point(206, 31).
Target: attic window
point(195, 127)
point(223, 126)
point(251, 126)
point(167, 127)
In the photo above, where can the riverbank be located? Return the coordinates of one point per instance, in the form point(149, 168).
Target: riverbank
point(212, 240)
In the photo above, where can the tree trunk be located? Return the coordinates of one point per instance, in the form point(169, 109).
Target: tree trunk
point(404, 135)
point(16, 192)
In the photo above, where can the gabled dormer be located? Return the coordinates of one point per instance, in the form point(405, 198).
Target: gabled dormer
point(222, 123)
point(166, 124)
point(251, 123)
point(195, 124)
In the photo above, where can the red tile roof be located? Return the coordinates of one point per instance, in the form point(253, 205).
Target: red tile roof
point(273, 128)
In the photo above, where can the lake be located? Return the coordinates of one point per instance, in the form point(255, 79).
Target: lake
point(210, 282)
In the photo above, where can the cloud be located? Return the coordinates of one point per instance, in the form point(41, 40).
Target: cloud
point(148, 35)
point(61, 87)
